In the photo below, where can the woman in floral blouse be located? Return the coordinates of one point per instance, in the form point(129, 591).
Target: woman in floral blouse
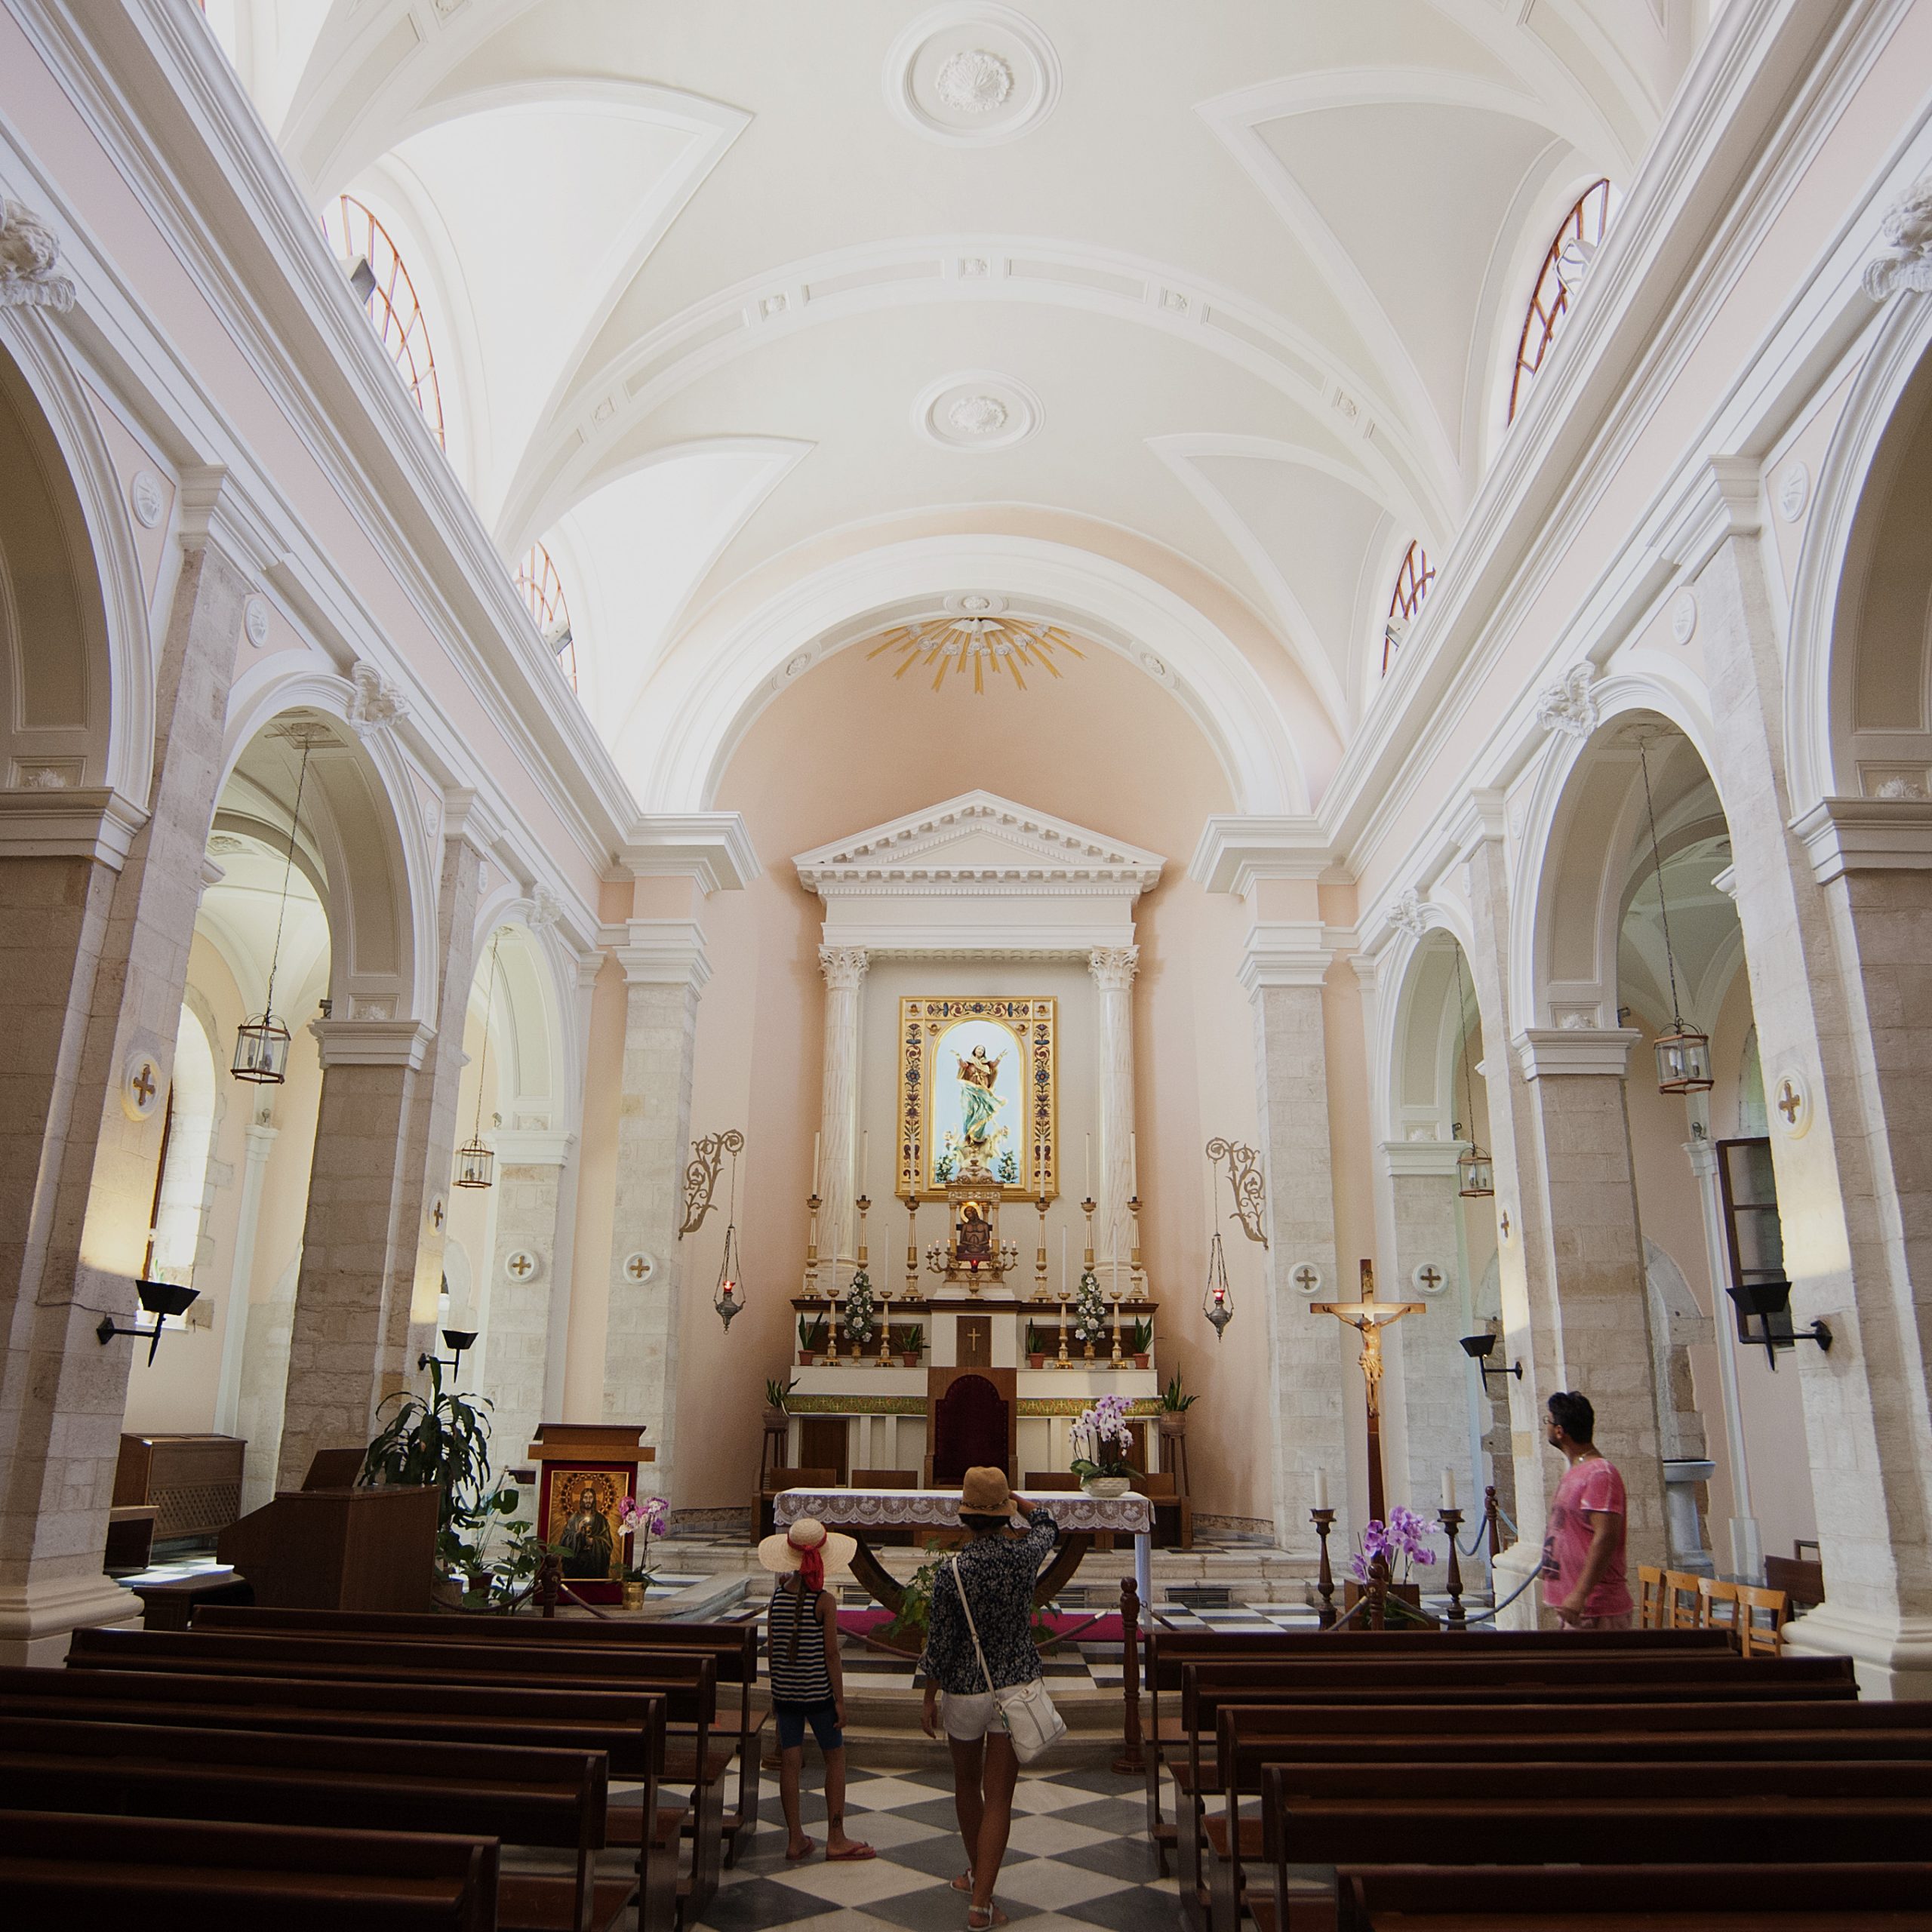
point(998, 1573)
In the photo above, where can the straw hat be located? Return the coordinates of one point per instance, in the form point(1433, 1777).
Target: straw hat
point(985, 1493)
point(785, 1551)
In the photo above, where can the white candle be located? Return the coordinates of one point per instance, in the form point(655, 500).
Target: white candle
point(1134, 1164)
point(1062, 1264)
point(1321, 1489)
point(1448, 1489)
point(815, 1140)
point(1086, 1192)
point(865, 1158)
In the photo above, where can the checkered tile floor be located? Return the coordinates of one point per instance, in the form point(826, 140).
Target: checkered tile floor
point(1078, 1855)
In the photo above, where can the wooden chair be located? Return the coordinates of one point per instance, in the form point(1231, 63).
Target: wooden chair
point(1650, 1597)
point(1683, 1608)
point(1173, 1513)
point(1717, 1606)
point(1764, 1639)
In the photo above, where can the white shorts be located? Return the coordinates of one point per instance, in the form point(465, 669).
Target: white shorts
point(969, 1717)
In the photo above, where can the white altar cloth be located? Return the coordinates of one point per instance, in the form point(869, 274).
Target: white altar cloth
point(1073, 1511)
point(1130, 1514)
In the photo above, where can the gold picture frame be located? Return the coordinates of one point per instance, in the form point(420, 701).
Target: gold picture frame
point(1029, 1090)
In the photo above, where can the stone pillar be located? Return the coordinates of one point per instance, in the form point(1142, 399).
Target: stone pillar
point(359, 1237)
point(1113, 968)
point(1595, 1257)
point(100, 896)
point(524, 1267)
point(1829, 914)
point(1429, 1377)
point(1308, 1365)
point(259, 1139)
point(844, 970)
point(665, 971)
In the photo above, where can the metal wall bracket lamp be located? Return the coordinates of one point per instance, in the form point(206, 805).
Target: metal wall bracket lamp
point(1479, 1349)
point(1760, 1302)
point(159, 1299)
point(456, 1340)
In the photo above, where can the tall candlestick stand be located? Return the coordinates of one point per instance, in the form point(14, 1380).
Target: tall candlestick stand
point(1451, 1520)
point(1324, 1581)
point(1040, 1253)
point(913, 1249)
point(811, 1248)
point(1134, 1268)
point(1087, 1208)
point(831, 1317)
point(1062, 1362)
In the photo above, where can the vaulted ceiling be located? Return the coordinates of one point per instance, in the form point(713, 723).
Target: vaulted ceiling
point(713, 286)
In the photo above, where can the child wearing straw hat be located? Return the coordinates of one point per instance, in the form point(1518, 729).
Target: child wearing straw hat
point(807, 1681)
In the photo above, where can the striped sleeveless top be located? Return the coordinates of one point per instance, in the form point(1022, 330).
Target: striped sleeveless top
point(799, 1673)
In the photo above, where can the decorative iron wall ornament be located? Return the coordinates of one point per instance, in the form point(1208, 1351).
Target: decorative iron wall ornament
point(701, 1175)
point(1244, 1166)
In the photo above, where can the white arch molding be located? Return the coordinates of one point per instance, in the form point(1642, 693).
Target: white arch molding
point(699, 704)
point(289, 682)
point(1660, 688)
point(539, 992)
point(1813, 667)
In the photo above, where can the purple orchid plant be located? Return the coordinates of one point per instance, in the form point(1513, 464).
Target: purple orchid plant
point(1403, 1536)
point(1101, 1439)
point(640, 1521)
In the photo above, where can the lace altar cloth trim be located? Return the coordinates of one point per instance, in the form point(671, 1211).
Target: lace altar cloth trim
point(939, 1509)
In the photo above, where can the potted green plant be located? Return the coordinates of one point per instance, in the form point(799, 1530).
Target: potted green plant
point(1174, 1406)
point(776, 1413)
point(1140, 1342)
point(442, 1442)
point(911, 1343)
point(1039, 1345)
point(812, 1332)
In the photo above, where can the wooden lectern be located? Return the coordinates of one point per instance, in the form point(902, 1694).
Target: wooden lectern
point(585, 1471)
point(338, 1548)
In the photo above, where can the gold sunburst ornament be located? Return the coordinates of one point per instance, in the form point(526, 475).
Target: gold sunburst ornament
point(1000, 644)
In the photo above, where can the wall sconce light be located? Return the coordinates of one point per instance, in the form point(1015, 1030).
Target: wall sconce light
point(1479, 1349)
point(456, 1340)
point(1768, 1304)
point(159, 1299)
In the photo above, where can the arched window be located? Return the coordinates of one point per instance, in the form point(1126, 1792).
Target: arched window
point(1571, 253)
point(383, 286)
point(1412, 583)
point(543, 591)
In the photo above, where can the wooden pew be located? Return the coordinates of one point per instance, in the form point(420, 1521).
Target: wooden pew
point(63, 1869)
point(734, 1647)
point(1546, 1676)
point(522, 1797)
point(687, 1681)
point(1675, 1898)
point(1654, 1776)
point(1345, 1832)
point(627, 1728)
point(1168, 1650)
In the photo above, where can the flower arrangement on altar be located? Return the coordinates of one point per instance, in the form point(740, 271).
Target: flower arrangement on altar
point(1404, 1535)
point(1090, 1312)
point(638, 1521)
point(1101, 1439)
point(858, 1320)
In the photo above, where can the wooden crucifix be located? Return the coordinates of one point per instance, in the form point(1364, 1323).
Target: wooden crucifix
point(1368, 1317)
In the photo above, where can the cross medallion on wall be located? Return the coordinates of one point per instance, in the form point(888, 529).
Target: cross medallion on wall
point(1506, 1226)
point(436, 1215)
point(1790, 1102)
point(520, 1265)
point(1428, 1280)
point(144, 1083)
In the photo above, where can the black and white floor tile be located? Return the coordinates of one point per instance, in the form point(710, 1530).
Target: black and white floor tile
point(1079, 1856)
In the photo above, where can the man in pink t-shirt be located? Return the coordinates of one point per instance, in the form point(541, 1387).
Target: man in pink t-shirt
point(1582, 1554)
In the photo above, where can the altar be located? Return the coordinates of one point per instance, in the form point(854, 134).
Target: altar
point(1078, 1516)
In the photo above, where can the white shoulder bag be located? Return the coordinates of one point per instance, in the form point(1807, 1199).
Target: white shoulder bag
point(1026, 1709)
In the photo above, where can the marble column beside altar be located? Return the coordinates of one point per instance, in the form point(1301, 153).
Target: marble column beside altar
point(844, 970)
point(665, 971)
point(1113, 968)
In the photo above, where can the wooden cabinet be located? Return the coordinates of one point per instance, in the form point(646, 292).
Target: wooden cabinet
point(193, 1481)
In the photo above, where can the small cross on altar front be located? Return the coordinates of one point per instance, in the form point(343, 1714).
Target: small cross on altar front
point(1368, 1317)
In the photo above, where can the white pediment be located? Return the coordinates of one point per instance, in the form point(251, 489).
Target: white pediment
point(979, 873)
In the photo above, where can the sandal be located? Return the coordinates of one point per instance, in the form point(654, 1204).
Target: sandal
point(964, 1883)
point(851, 1855)
point(792, 1857)
point(983, 1917)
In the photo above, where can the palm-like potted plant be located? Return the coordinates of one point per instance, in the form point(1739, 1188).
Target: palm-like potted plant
point(1039, 1345)
point(1174, 1406)
point(912, 1342)
point(1140, 1342)
point(812, 1332)
point(776, 1414)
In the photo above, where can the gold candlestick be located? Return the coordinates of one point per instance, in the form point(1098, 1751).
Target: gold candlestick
point(1062, 1363)
point(1087, 1207)
point(1040, 1253)
point(885, 1334)
point(913, 1249)
point(1134, 1268)
point(831, 1297)
point(812, 1206)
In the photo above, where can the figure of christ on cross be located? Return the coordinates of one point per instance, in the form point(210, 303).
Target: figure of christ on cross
point(1369, 1316)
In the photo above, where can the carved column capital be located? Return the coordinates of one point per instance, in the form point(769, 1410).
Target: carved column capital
point(29, 255)
point(1113, 966)
point(844, 967)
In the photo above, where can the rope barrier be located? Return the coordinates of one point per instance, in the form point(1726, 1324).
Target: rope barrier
point(1491, 1614)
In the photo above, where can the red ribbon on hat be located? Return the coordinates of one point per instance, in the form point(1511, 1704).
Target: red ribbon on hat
point(811, 1560)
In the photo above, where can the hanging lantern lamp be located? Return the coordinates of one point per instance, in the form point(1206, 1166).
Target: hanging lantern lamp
point(261, 1045)
point(476, 1162)
point(729, 1299)
point(1684, 1054)
point(1217, 1302)
point(1475, 1173)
